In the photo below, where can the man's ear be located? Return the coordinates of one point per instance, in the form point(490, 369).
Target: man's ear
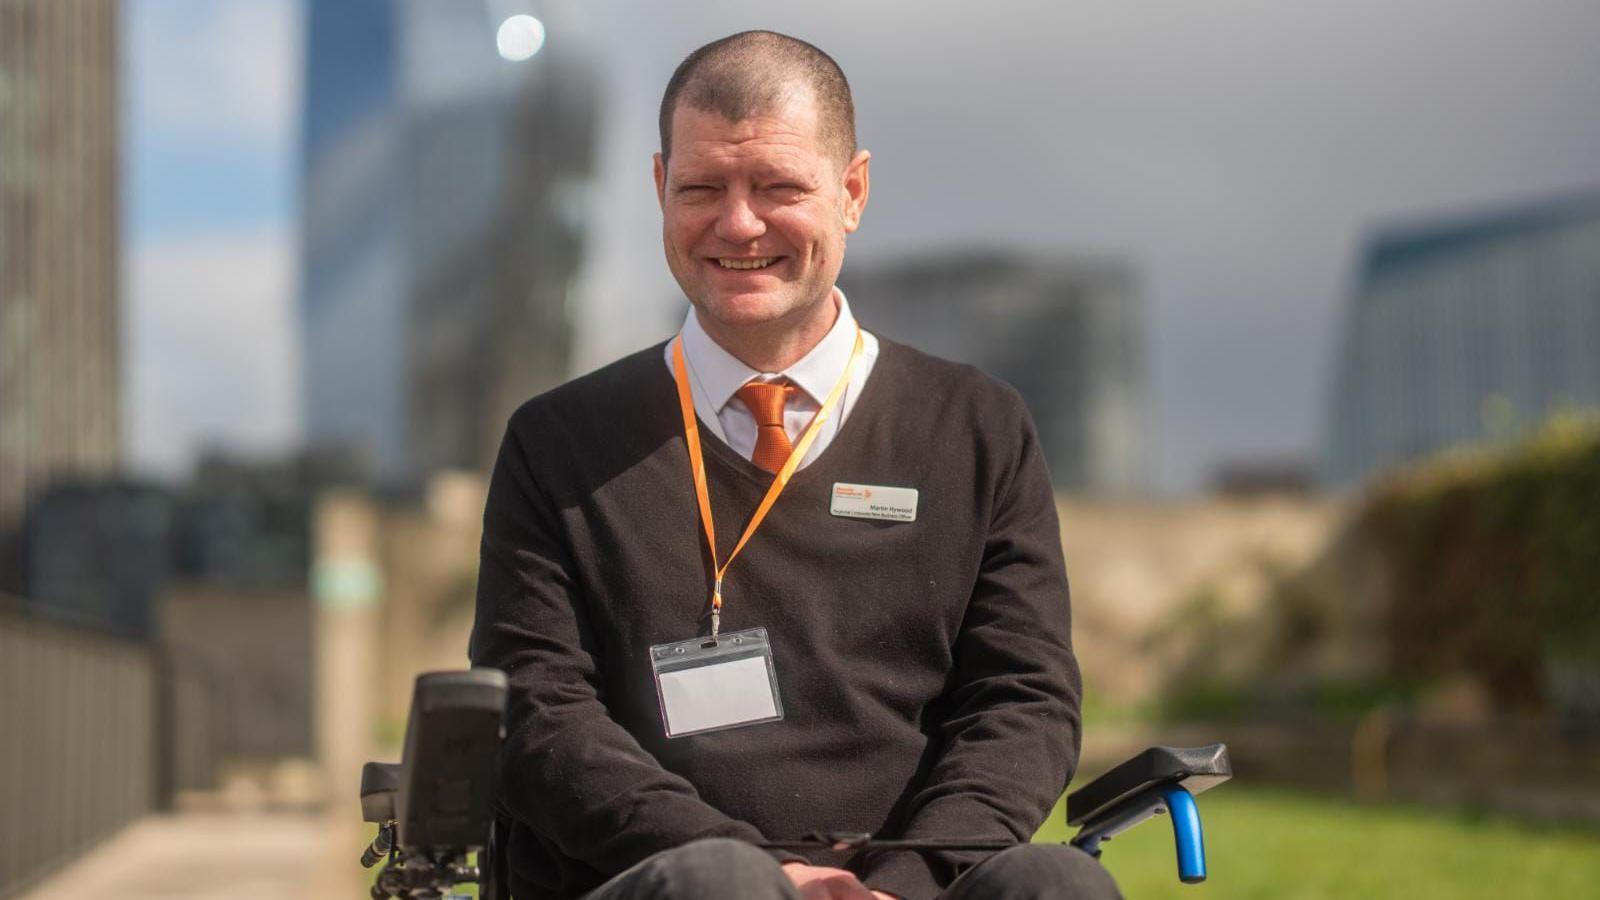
point(856, 186)
point(660, 167)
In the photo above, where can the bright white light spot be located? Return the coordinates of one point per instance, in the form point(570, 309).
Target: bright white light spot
point(520, 37)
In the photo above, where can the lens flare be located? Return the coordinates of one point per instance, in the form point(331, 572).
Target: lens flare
point(519, 37)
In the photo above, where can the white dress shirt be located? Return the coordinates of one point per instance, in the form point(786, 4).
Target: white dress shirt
point(715, 376)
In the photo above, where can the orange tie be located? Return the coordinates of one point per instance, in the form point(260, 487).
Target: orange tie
point(765, 401)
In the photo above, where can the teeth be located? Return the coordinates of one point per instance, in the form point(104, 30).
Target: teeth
point(758, 263)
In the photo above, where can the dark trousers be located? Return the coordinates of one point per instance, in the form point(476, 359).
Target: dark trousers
point(719, 867)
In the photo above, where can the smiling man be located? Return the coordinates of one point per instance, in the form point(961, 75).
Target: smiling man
point(776, 575)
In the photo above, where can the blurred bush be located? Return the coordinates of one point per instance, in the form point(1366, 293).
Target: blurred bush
point(1463, 588)
point(1494, 561)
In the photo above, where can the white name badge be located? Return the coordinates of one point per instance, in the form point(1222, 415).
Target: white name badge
point(874, 501)
point(707, 687)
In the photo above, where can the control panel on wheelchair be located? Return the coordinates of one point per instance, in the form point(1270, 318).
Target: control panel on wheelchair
point(437, 828)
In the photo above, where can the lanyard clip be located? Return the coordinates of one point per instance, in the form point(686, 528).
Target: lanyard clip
point(716, 610)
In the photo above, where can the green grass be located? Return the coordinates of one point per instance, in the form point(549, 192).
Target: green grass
point(1289, 846)
point(1279, 845)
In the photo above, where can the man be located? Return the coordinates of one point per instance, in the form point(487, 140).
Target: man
point(777, 575)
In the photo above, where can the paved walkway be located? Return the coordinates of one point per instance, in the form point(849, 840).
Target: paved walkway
point(239, 856)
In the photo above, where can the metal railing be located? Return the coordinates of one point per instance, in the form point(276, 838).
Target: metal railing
point(78, 742)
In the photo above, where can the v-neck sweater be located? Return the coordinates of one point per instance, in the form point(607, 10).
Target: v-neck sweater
point(926, 672)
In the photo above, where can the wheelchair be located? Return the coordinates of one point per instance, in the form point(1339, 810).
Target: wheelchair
point(435, 808)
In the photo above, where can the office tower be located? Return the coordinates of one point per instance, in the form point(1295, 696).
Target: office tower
point(1066, 333)
point(442, 197)
point(58, 251)
point(1467, 329)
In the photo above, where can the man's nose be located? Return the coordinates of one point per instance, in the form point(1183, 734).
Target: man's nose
point(737, 222)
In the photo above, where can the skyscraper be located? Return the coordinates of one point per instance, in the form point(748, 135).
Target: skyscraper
point(442, 196)
point(58, 248)
point(1466, 329)
point(1067, 334)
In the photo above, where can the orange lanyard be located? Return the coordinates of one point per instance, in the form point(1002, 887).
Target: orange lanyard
point(697, 464)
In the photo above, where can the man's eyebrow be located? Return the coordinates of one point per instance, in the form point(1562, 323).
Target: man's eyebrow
point(763, 173)
point(781, 173)
point(691, 177)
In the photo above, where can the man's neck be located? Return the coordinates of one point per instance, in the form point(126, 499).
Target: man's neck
point(777, 345)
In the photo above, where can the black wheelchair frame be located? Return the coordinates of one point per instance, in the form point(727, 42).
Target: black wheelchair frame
point(435, 808)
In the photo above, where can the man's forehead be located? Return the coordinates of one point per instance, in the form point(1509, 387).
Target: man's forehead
point(713, 168)
point(707, 137)
point(787, 140)
point(799, 120)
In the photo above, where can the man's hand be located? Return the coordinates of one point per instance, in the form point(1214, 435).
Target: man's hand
point(823, 883)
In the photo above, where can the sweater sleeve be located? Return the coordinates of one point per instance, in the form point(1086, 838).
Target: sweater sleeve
point(1011, 730)
point(567, 769)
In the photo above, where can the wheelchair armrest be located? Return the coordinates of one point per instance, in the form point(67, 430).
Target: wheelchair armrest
point(1198, 769)
point(1159, 780)
point(380, 784)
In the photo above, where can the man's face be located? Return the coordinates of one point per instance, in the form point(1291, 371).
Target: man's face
point(755, 212)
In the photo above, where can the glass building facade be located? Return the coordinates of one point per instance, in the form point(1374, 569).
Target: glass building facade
point(442, 209)
point(1464, 331)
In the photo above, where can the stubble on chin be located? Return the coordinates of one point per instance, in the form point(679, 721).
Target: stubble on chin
point(770, 342)
point(774, 314)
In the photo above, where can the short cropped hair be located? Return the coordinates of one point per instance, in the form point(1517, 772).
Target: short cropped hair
point(755, 72)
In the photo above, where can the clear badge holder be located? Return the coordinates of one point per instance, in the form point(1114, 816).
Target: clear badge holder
point(706, 685)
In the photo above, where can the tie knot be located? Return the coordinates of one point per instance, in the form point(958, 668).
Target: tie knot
point(765, 400)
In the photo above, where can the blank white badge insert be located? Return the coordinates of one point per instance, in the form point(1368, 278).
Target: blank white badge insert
point(709, 688)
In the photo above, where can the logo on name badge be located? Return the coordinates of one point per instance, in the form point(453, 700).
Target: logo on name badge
point(874, 501)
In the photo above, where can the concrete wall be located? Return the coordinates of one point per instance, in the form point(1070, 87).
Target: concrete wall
point(1136, 569)
point(394, 583)
point(239, 663)
point(1153, 579)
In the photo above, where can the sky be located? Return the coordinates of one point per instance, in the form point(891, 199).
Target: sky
point(210, 99)
point(1237, 153)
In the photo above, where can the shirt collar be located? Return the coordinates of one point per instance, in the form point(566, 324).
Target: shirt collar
point(721, 374)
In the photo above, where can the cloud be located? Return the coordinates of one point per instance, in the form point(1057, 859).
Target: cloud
point(1236, 151)
point(213, 348)
point(211, 344)
point(214, 70)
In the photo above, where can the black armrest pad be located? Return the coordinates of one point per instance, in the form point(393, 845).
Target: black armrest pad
point(1197, 768)
point(380, 782)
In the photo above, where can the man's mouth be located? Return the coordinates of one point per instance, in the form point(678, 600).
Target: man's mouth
point(746, 262)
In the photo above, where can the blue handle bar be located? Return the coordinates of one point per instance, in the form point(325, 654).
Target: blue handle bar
point(1186, 833)
point(1173, 799)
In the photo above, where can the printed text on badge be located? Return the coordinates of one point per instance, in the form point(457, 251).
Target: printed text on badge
point(874, 501)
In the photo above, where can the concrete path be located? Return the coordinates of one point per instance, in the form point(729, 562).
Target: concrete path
point(239, 856)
